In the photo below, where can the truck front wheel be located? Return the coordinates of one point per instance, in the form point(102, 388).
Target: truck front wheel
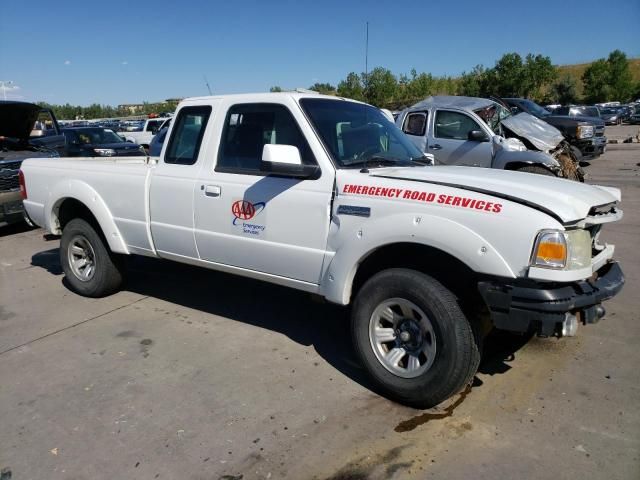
point(90, 268)
point(413, 338)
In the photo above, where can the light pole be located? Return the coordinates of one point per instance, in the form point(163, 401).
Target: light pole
point(4, 88)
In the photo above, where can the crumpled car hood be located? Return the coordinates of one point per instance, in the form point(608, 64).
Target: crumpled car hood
point(543, 136)
point(564, 199)
point(17, 119)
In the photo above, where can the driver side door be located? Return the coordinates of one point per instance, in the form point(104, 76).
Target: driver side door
point(252, 220)
point(449, 140)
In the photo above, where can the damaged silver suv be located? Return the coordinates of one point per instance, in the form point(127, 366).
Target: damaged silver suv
point(479, 132)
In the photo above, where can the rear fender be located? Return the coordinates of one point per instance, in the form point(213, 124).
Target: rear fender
point(85, 194)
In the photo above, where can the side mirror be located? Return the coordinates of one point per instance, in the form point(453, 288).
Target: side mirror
point(477, 136)
point(285, 160)
point(514, 110)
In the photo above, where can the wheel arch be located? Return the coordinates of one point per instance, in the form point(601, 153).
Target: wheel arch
point(84, 203)
point(427, 259)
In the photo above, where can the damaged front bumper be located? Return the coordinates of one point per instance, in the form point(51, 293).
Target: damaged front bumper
point(550, 310)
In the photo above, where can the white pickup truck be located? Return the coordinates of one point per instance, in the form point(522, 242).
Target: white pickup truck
point(149, 129)
point(328, 196)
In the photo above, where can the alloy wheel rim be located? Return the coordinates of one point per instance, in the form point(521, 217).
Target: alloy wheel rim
point(402, 337)
point(81, 257)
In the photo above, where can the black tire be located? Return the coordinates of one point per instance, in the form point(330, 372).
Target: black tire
point(108, 268)
point(457, 355)
point(536, 169)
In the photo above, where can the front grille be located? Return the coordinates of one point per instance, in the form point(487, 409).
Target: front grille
point(599, 131)
point(9, 176)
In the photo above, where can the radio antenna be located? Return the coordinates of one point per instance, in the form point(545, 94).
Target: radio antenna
point(206, 82)
point(366, 65)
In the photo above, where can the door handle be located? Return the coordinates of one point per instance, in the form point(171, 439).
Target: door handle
point(211, 190)
point(435, 147)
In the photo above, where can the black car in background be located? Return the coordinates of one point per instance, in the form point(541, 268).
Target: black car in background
point(585, 133)
point(99, 142)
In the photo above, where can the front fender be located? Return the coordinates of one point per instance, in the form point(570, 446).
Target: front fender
point(503, 159)
point(85, 194)
point(441, 233)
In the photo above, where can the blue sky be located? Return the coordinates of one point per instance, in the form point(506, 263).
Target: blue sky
point(114, 51)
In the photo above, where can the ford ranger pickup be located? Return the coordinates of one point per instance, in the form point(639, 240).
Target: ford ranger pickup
point(328, 196)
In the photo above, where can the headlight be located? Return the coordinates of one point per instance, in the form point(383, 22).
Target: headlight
point(585, 131)
point(570, 250)
point(104, 152)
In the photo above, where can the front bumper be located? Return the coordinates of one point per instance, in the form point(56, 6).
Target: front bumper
point(533, 307)
point(592, 147)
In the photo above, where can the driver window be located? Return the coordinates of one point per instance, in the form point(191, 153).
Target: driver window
point(184, 144)
point(454, 125)
point(248, 128)
point(415, 124)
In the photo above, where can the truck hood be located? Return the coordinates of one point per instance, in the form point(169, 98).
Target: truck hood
point(543, 136)
point(17, 119)
point(566, 200)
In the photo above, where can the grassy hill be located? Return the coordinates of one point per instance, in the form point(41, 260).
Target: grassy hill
point(578, 69)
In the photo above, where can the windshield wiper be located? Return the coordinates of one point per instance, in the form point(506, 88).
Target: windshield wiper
point(375, 162)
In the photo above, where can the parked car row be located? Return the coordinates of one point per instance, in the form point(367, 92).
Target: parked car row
point(610, 113)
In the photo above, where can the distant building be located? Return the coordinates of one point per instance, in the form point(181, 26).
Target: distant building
point(132, 108)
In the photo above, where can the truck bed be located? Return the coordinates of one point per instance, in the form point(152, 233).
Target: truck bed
point(123, 181)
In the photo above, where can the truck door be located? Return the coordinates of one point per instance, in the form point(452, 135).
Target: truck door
point(265, 223)
point(450, 142)
point(173, 181)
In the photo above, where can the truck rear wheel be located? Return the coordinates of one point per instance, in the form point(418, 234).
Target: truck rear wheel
point(90, 268)
point(413, 338)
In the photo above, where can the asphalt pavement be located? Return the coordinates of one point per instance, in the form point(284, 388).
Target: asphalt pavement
point(191, 374)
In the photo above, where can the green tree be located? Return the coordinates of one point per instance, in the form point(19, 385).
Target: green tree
point(420, 86)
point(596, 82)
point(275, 89)
point(325, 88)
point(564, 90)
point(473, 84)
point(351, 87)
point(620, 79)
point(381, 87)
point(508, 76)
point(537, 72)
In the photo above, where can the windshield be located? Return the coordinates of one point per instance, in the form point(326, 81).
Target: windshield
point(590, 111)
point(493, 115)
point(608, 111)
point(97, 136)
point(355, 133)
point(535, 109)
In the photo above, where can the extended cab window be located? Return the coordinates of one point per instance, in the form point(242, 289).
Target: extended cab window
point(454, 125)
point(249, 127)
point(186, 137)
point(415, 124)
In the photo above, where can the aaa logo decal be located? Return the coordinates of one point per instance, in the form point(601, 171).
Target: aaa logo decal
point(245, 210)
